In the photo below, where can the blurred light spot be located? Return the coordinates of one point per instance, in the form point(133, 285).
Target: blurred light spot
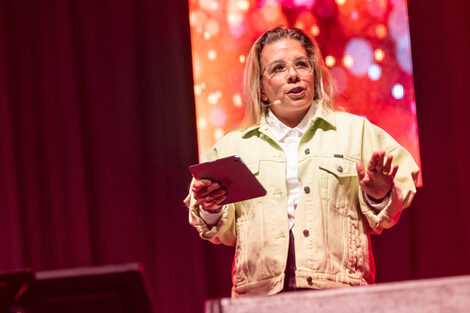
point(212, 27)
point(304, 3)
point(197, 18)
point(207, 35)
point(341, 78)
point(208, 5)
point(398, 22)
point(374, 72)
point(354, 15)
point(243, 5)
point(201, 123)
point(242, 58)
point(197, 90)
point(348, 61)
point(211, 54)
point(413, 107)
point(315, 30)
point(217, 117)
point(271, 11)
point(237, 100)
point(235, 19)
point(403, 53)
point(214, 97)
point(236, 23)
point(381, 31)
point(330, 61)
point(398, 91)
point(376, 8)
point(218, 134)
point(379, 55)
point(299, 25)
point(361, 52)
point(340, 2)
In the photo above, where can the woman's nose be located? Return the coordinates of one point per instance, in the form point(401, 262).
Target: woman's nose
point(292, 74)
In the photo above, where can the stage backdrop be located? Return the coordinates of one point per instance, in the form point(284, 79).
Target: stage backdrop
point(97, 128)
point(365, 44)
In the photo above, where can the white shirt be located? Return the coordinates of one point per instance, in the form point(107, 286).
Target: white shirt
point(289, 139)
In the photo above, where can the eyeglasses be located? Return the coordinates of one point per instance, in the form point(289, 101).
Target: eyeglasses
point(280, 70)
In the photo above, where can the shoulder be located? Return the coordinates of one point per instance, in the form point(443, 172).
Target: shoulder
point(230, 138)
point(232, 143)
point(342, 116)
point(347, 120)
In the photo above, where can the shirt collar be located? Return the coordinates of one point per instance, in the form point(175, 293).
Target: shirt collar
point(280, 130)
point(313, 114)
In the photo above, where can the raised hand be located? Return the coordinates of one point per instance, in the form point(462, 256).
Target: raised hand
point(377, 181)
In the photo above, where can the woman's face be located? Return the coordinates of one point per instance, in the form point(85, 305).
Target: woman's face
point(289, 89)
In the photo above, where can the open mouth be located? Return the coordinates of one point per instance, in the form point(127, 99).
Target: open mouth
point(296, 90)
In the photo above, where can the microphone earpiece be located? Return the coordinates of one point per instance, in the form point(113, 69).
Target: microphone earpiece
point(275, 102)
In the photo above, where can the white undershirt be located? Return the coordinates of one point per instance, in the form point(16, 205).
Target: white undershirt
point(289, 139)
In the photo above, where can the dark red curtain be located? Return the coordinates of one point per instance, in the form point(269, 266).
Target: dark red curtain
point(433, 237)
point(97, 129)
point(96, 133)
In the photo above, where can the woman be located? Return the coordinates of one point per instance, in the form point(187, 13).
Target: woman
point(312, 228)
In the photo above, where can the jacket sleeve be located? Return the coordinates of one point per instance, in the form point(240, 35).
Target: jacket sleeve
point(225, 230)
point(404, 185)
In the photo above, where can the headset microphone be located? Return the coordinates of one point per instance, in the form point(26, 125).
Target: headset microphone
point(275, 102)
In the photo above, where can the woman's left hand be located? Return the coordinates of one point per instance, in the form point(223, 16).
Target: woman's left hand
point(377, 181)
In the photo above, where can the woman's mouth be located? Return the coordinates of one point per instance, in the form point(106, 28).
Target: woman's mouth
point(296, 92)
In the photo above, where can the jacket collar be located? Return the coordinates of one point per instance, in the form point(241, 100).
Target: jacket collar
point(321, 113)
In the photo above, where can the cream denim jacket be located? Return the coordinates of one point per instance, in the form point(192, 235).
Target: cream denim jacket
point(332, 220)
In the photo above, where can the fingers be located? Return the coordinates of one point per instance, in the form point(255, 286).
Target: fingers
point(380, 161)
point(394, 171)
point(212, 204)
point(201, 183)
point(209, 194)
point(203, 187)
point(361, 173)
point(388, 164)
point(373, 162)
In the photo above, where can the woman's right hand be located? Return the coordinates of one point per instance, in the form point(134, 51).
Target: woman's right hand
point(208, 194)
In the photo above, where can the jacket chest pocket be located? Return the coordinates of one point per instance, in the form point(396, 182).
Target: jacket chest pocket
point(338, 177)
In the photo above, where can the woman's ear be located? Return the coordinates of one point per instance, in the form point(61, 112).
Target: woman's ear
point(263, 96)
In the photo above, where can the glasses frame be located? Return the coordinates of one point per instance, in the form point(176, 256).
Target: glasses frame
point(289, 65)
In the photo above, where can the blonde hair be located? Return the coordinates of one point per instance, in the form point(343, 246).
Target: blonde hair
point(255, 109)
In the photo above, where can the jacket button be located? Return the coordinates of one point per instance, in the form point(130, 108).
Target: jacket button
point(340, 169)
point(309, 280)
point(307, 189)
point(306, 232)
point(307, 151)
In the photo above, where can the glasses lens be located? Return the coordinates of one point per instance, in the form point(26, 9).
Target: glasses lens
point(277, 67)
point(302, 66)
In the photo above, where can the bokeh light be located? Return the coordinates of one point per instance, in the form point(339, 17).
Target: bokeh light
point(330, 61)
point(361, 53)
point(348, 61)
point(379, 55)
point(398, 91)
point(365, 43)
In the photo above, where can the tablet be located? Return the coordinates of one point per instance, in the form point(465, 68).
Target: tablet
point(233, 175)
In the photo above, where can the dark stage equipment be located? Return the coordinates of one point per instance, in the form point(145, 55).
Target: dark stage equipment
point(110, 288)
